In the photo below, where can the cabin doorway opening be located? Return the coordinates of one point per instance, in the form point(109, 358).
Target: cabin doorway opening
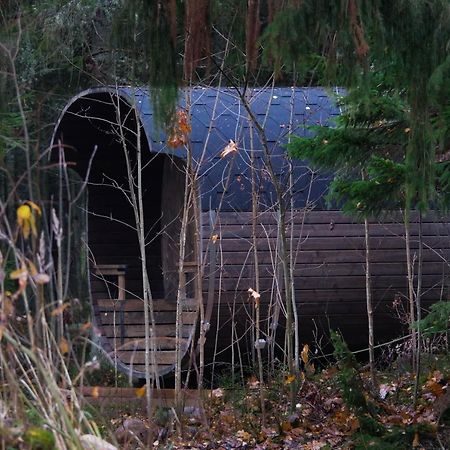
point(98, 133)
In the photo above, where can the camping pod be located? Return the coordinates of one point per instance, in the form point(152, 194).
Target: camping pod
point(225, 224)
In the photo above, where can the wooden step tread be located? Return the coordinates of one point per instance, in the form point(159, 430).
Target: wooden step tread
point(138, 331)
point(159, 305)
point(138, 357)
point(159, 343)
point(136, 318)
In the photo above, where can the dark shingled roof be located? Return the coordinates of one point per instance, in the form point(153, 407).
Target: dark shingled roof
point(218, 115)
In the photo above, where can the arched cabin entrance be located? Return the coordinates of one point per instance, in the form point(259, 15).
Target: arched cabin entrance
point(97, 134)
point(326, 248)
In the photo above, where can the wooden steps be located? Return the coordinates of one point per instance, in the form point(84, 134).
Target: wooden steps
point(122, 327)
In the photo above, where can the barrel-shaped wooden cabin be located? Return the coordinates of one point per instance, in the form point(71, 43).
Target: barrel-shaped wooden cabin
point(233, 200)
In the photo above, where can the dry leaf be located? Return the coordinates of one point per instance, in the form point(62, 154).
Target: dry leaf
point(256, 296)
point(86, 326)
point(288, 379)
point(18, 273)
point(64, 346)
point(305, 354)
point(95, 392)
point(179, 130)
point(59, 310)
point(214, 238)
point(140, 392)
point(231, 147)
point(243, 435)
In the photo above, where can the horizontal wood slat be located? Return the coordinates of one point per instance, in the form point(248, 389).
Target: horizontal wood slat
point(136, 318)
point(326, 230)
point(137, 305)
point(137, 331)
point(138, 344)
point(330, 256)
point(331, 243)
point(138, 357)
point(310, 217)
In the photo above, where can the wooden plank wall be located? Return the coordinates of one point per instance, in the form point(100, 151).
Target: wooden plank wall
point(329, 271)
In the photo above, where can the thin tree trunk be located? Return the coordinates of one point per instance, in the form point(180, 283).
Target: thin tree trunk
point(409, 264)
point(257, 308)
point(367, 269)
point(418, 309)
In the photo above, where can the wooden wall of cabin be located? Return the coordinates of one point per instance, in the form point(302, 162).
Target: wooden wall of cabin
point(329, 275)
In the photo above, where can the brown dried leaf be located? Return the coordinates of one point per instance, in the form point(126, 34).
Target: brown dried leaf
point(140, 392)
point(64, 346)
point(60, 309)
point(305, 354)
point(95, 392)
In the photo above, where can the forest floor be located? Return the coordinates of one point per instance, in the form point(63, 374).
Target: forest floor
point(335, 408)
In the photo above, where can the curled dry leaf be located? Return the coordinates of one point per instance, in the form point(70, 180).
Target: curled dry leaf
point(289, 378)
point(64, 346)
point(305, 354)
point(256, 296)
point(231, 147)
point(140, 392)
point(179, 130)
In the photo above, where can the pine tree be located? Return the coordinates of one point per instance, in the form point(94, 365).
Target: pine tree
point(368, 153)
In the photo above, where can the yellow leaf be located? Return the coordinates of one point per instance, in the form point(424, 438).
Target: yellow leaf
point(140, 392)
point(18, 274)
point(305, 354)
point(26, 229)
point(288, 379)
point(214, 238)
point(34, 206)
point(64, 346)
point(23, 213)
point(26, 220)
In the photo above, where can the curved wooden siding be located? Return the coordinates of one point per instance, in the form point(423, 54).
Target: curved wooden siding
point(329, 254)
